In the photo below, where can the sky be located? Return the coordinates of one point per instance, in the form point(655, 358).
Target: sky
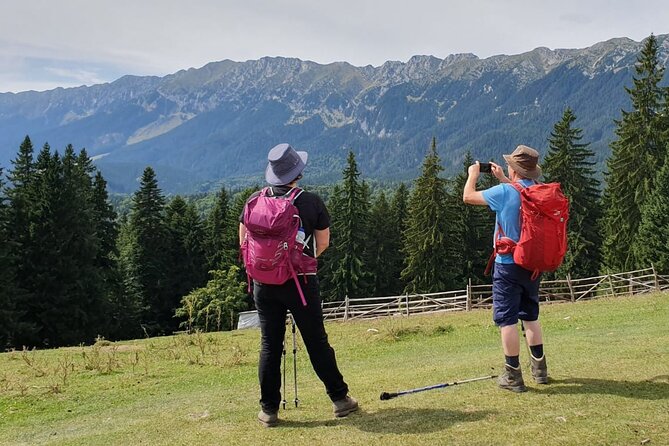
point(46, 44)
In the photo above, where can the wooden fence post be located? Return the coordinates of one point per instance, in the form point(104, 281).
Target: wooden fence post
point(468, 305)
point(571, 288)
point(613, 291)
point(346, 308)
point(657, 280)
point(406, 302)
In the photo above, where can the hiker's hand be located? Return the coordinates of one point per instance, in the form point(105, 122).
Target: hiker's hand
point(474, 170)
point(499, 173)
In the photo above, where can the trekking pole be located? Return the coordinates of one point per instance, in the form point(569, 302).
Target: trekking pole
point(283, 394)
point(391, 395)
point(292, 320)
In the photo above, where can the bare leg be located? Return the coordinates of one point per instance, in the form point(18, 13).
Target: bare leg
point(510, 340)
point(533, 332)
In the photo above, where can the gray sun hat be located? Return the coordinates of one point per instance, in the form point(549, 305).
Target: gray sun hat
point(285, 164)
point(524, 161)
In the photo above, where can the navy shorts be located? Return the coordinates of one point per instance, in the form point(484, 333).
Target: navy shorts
point(514, 295)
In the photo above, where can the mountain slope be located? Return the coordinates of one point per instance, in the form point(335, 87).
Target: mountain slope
point(216, 123)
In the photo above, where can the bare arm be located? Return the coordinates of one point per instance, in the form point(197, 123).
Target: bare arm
point(499, 173)
point(242, 233)
point(470, 195)
point(322, 237)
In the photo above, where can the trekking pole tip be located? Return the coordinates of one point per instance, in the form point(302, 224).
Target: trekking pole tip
point(386, 396)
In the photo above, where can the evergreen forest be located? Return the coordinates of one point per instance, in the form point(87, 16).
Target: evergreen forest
point(77, 264)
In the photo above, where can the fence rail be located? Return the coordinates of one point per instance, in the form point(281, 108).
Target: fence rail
point(480, 296)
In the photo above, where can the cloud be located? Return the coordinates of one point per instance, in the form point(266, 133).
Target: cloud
point(83, 77)
point(86, 40)
point(579, 19)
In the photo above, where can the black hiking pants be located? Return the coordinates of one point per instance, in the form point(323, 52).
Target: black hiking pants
point(272, 303)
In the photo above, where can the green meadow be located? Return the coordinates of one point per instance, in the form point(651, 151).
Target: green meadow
point(608, 363)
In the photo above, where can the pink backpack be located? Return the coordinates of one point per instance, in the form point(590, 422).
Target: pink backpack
point(271, 252)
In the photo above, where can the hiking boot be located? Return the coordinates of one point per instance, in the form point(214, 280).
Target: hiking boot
point(268, 419)
point(512, 379)
point(539, 369)
point(344, 406)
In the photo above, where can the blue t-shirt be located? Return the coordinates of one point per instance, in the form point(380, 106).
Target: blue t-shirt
point(504, 199)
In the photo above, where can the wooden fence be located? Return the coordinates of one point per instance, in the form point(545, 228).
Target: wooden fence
point(480, 296)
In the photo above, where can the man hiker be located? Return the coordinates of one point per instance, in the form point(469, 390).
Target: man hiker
point(273, 300)
point(515, 292)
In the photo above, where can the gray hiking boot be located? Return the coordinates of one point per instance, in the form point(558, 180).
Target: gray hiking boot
point(512, 379)
point(344, 406)
point(539, 369)
point(270, 419)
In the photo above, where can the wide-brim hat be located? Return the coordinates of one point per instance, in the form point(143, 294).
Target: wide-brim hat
point(285, 164)
point(524, 161)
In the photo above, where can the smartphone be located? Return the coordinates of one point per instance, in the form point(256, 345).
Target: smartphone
point(485, 168)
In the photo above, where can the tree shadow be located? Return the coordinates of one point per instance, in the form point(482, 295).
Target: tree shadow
point(655, 388)
point(399, 420)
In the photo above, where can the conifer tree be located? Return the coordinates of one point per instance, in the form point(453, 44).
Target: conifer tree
point(430, 266)
point(653, 246)
point(186, 257)
point(383, 241)
point(397, 225)
point(472, 228)
point(127, 307)
point(106, 226)
point(148, 264)
point(231, 227)
point(570, 163)
point(107, 261)
point(347, 275)
point(637, 155)
point(221, 234)
point(69, 305)
point(20, 195)
point(8, 291)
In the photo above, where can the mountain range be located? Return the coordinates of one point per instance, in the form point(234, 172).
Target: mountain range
point(200, 128)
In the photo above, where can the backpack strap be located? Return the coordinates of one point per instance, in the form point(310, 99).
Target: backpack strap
point(491, 260)
point(518, 186)
point(297, 283)
point(296, 192)
point(291, 195)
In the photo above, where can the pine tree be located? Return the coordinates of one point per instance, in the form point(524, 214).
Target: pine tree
point(347, 275)
point(8, 292)
point(21, 195)
point(127, 307)
point(397, 224)
point(69, 306)
point(430, 266)
point(107, 258)
point(472, 228)
point(570, 163)
point(382, 244)
point(231, 227)
point(637, 154)
point(148, 265)
point(653, 246)
point(187, 262)
point(221, 234)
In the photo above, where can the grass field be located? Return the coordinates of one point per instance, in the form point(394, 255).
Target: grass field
point(608, 362)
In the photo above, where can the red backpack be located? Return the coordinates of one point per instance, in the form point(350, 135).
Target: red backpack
point(271, 251)
point(544, 211)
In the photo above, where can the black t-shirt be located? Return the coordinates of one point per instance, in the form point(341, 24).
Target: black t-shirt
point(313, 213)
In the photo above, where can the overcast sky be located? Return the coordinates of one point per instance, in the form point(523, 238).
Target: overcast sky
point(49, 43)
